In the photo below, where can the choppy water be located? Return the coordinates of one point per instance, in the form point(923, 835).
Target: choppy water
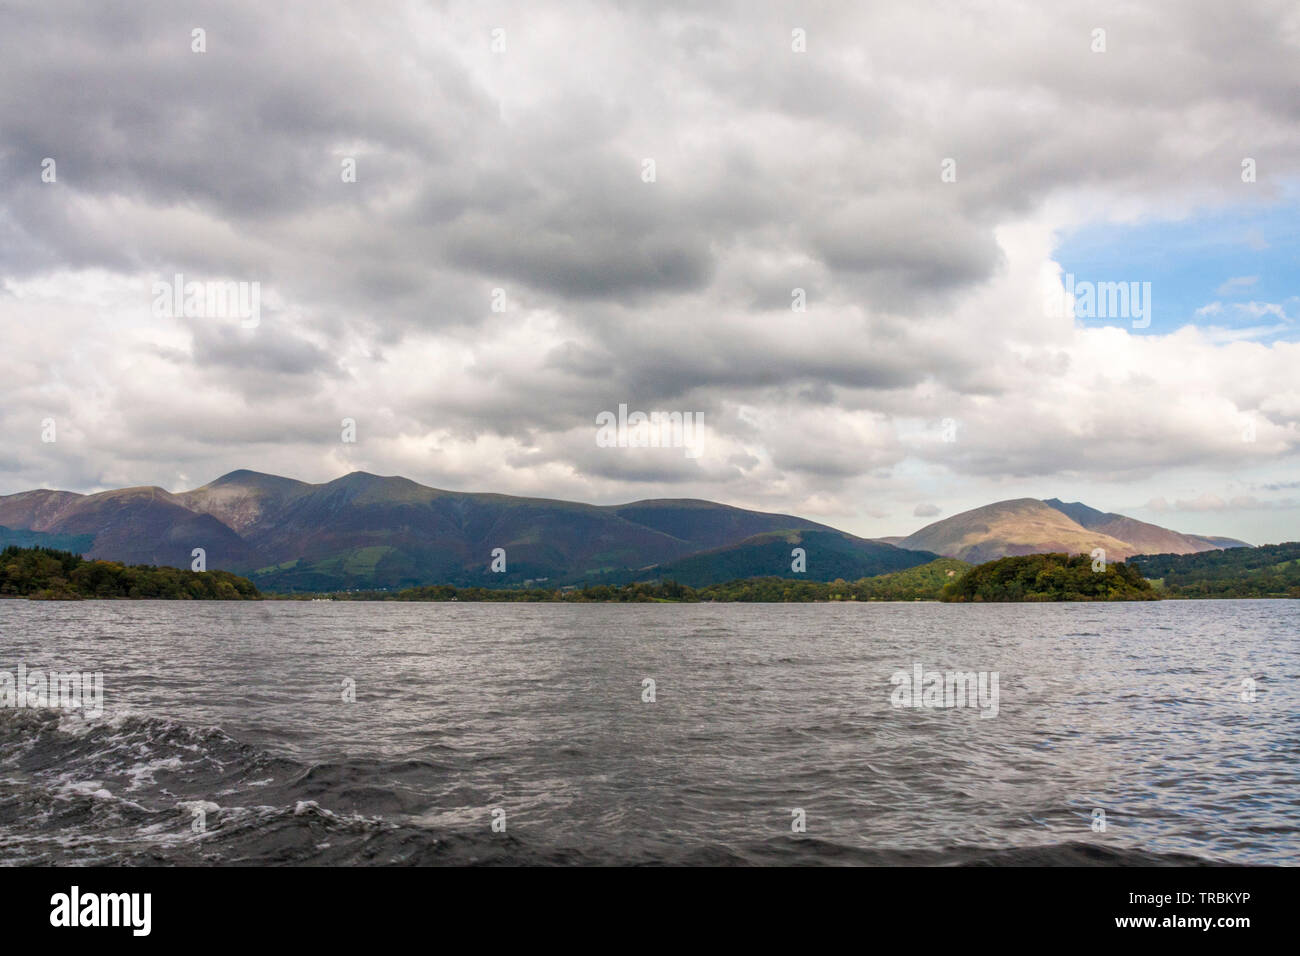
point(1134, 709)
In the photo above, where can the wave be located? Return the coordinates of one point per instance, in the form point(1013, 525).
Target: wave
point(128, 790)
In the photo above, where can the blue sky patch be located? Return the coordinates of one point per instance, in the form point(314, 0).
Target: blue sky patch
point(1236, 268)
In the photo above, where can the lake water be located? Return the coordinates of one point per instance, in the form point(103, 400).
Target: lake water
point(225, 737)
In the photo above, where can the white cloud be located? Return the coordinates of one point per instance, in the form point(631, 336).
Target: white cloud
point(521, 171)
point(1236, 285)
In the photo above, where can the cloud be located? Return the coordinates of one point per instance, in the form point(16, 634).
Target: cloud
point(1235, 285)
point(926, 511)
point(501, 272)
point(1258, 310)
point(1212, 502)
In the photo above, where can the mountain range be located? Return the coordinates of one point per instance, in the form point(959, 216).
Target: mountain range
point(368, 531)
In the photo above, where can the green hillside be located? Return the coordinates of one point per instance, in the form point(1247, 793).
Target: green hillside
point(924, 582)
point(1271, 570)
point(829, 556)
point(20, 538)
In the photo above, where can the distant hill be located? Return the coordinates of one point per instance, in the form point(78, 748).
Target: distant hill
point(1023, 526)
point(1005, 528)
point(1219, 542)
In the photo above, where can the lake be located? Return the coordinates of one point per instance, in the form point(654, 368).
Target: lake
point(380, 733)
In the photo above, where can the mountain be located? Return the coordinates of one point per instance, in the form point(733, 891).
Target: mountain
point(1006, 528)
point(1022, 526)
point(1225, 543)
point(35, 510)
point(240, 499)
point(365, 531)
point(144, 525)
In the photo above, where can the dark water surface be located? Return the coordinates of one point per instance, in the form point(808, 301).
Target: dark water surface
point(236, 709)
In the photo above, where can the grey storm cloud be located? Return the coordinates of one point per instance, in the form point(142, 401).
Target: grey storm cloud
point(222, 344)
point(500, 272)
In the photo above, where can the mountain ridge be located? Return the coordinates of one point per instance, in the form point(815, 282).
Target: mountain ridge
point(363, 530)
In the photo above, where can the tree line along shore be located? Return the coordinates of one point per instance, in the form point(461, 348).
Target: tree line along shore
point(1271, 571)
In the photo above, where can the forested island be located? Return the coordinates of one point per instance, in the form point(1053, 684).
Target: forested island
point(48, 574)
point(1050, 577)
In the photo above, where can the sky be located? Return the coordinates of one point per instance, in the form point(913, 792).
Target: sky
point(838, 236)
